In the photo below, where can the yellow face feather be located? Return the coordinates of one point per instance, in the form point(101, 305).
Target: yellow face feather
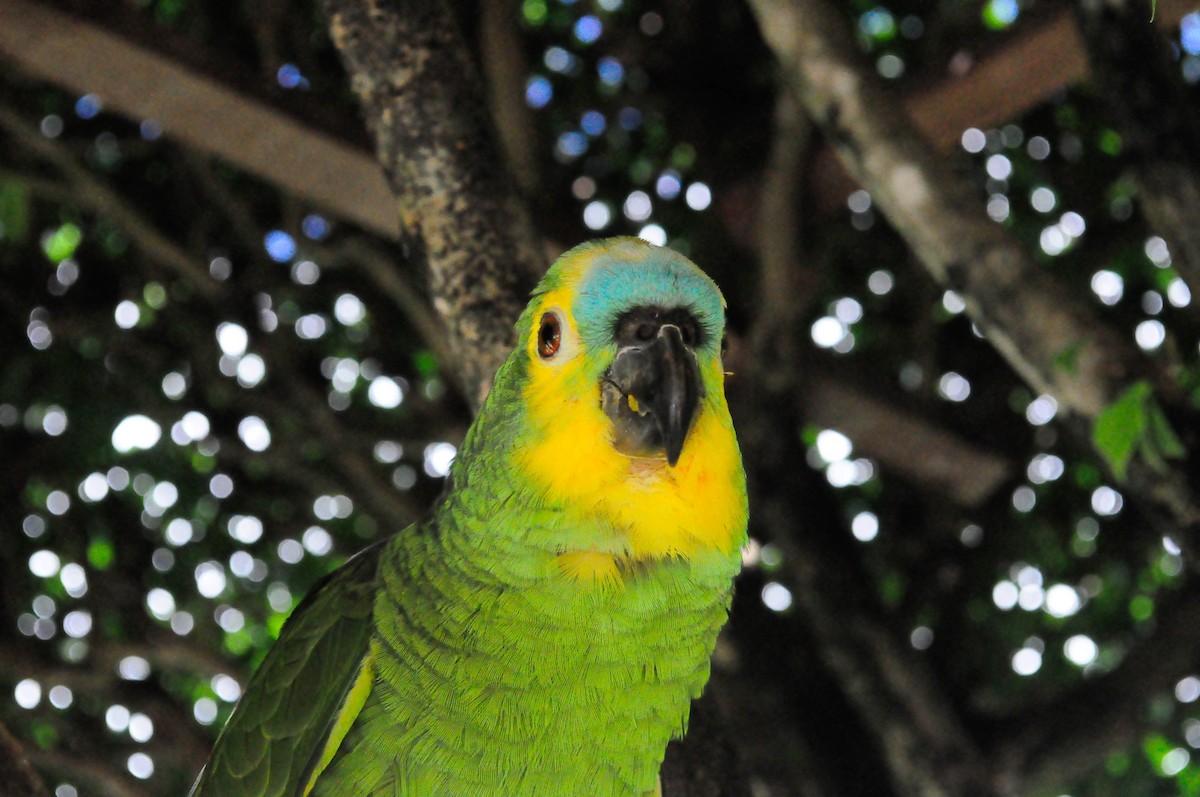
point(659, 511)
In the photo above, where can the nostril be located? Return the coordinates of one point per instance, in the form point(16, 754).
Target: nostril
point(662, 331)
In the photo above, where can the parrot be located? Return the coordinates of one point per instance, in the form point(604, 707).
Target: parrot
point(544, 629)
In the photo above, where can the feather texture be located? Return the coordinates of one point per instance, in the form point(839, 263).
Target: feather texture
point(544, 630)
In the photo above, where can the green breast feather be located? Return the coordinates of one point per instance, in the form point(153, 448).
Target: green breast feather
point(535, 635)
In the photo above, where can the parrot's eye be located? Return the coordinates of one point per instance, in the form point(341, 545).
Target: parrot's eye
point(645, 331)
point(549, 336)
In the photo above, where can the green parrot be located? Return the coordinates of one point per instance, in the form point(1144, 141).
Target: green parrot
point(543, 630)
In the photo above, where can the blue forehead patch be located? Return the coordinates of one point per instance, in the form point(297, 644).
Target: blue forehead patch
point(630, 273)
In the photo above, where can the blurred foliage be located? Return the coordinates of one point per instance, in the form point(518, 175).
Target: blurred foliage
point(300, 415)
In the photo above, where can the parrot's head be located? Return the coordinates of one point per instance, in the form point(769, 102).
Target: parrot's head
point(621, 392)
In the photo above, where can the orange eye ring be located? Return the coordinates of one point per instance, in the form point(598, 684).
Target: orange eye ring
point(549, 336)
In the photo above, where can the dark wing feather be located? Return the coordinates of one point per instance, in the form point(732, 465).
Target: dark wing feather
point(279, 728)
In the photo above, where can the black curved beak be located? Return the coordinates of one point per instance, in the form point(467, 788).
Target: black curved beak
point(652, 392)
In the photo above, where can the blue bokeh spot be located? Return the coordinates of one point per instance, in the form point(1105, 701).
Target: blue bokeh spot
point(87, 106)
point(289, 76)
point(1189, 33)
point(281, 247)
point(538, 92)
point(593, 123)
point(314, 226)
point(572, 144)
point(610, 70)
point(588, 29)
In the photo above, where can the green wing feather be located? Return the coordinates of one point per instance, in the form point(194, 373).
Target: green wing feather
point(301, 701)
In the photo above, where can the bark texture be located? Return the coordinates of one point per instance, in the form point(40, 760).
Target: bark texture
point(1133, 67)
point(421, 94)
point(17, 778)
point(1046, 333)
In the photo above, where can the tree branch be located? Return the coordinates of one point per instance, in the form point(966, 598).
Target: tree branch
point(787, 282)
point(1047, 334)
point(505, 70)
point(94, 194)
point(1030, 319)
point(17, 777)
point(425, 109)
point(916, 449)
point(1140, 81)
point(1062, 740)
point(81, 770)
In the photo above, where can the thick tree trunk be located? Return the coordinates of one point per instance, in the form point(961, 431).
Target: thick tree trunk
point(422, 96)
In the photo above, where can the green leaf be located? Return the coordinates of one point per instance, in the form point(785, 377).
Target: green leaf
point(1163, 436)
point(892, 588)
point(1134, 423)
point(1119, 429)
point(534, 11)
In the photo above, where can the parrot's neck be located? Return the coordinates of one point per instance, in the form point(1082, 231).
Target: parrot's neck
point(544, 682)
point(570, 687)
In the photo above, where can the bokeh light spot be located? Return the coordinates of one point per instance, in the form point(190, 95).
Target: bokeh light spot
point(1026, 661)
point(588, 29)
point(864, 526)
point(438, 458)
point(280, 246)
point(538, 92)
point(1080, 650)
point(776, 596)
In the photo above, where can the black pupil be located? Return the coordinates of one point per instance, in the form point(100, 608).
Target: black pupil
point(549, 336)
point(645, 331)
